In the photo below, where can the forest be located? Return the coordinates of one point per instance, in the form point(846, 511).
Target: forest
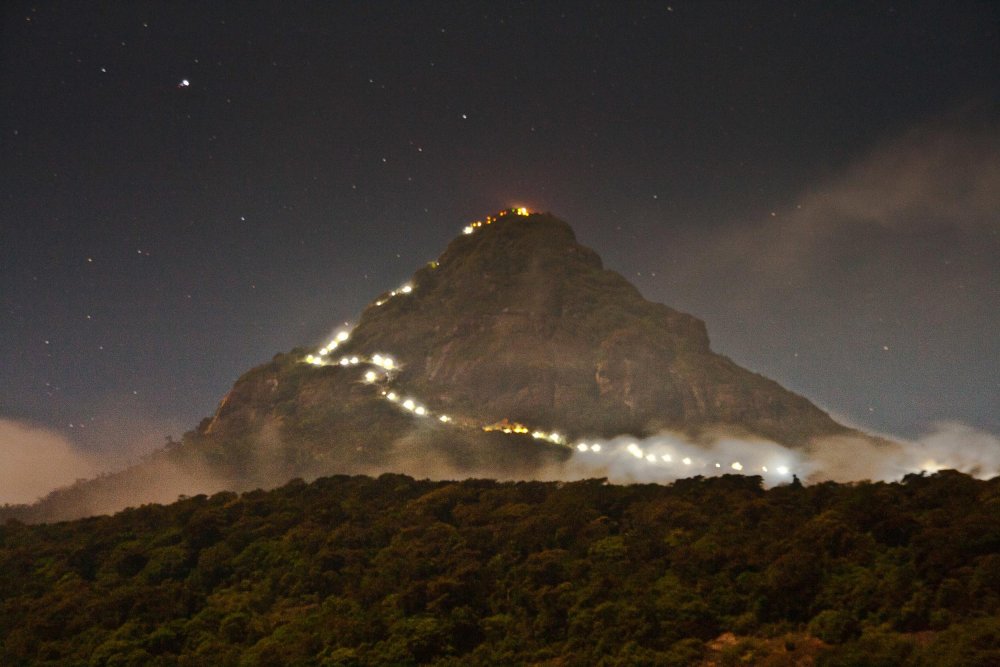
point(353, 570)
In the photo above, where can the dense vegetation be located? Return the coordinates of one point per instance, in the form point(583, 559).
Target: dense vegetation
point(359, 571)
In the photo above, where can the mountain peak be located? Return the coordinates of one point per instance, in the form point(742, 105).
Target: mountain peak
point(518, 322)
point(496, 359)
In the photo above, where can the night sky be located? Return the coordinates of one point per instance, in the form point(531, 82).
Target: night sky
point(187, 189)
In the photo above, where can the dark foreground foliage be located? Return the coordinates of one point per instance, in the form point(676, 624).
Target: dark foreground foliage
point(393, 571)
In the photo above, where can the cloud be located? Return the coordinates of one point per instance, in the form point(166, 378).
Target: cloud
point(936, 184)
point(874, 289)
point(666, 457)
point(932, 176)
point(34, 461)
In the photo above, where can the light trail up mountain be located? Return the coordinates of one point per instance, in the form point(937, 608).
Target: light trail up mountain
point(382, 369)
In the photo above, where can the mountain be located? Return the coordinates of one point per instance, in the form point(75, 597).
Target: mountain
point(491, 361)
point(518, 321)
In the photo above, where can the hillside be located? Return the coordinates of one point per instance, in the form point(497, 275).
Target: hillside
point(361, 571)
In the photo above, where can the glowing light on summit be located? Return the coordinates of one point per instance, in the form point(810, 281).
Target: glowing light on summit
point(479, 224)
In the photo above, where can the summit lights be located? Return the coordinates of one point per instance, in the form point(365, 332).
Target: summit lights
point(478, 224)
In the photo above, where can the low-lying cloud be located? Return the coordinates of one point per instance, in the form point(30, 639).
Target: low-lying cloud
point(37, 462)
point(34, 461)
point(666, 457)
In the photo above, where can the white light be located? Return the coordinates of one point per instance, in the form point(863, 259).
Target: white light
point(388, 363)
point(737, 466)
point(468, 229)
point(667, 458)
point(686, 460)
point(595, 448)
point(379, 303)
point(184, 83)
point(344, 361)
point(582, 447)
point(445, 418)
point(409, 405)
point(718, 465)
point(651, 458)
point(406, 289)
point(538, 435)
point(355, 361)
point(392, 396)
point(420, 410)
point(930, 465)
point(634, 450)
point(309, 359)
point(377, 359)
point(370, 376)
point(782, 470)
point(764, 468)
point(555, 437)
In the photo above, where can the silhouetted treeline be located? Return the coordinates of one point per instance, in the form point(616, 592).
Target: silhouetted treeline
point(393, 571)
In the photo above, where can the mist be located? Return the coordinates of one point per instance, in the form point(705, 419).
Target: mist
point(667, 457)
point(35, 460)
point(120, 460)
point(872, 290)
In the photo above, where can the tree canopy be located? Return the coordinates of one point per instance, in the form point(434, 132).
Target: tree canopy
point(362, 571)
